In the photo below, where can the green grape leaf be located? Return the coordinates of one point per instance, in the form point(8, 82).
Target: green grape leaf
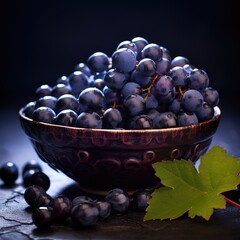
point(196, 191)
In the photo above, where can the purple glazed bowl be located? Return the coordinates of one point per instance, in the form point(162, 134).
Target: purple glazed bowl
point(100, 159)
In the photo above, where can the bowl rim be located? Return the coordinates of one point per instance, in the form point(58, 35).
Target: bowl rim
point(217, 115)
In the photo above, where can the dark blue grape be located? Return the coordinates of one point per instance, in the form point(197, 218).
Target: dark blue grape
point(63, 80)
point(129, 45)
point(112, 97)
point(33, 164)
point(179, 76)
point(192, 100)
point(131, 88)
point(62, 207)
point(89, 120)
point(118, 199)
point(205, 113)
point(112, 118)
point(140, 199)
point(166, 53)
point(147, 67)
point(67, 101)
point(78, 81)
point(43, 90)
point(91, 99)
point(188, 69)
point(140, 44)
point(85, 214)
point(179, 61)
point(124, 60)
point(152, 113)
point(115, 80)
point(81, 199)
point(141, 122)
point(211, 96)
point(99, 83)
point(150, 101)
point(27, 177)
point(43, 200)
point(9, 173)
point(47, 101)
point(66, 117)
point(140, 79)
point(175, 106)
point(29, 108)
point(165, 120)
point(42, 217)
point(163, 89)
point(152, 51)
point(32, 193)
point(186, 118)
point(82, 67)
point(98, 62)
point(60, 89)
point(44, 114)
point(41, 179)
point(134, 105)
point(104, 209)
point(163, 66)
point(198, 79)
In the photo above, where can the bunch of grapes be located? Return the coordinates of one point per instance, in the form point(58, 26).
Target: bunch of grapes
point(139, 87)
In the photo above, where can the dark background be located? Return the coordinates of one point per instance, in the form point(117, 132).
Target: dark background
point(43, 40)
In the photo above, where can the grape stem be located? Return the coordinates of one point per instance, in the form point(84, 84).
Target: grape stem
point(231, 202)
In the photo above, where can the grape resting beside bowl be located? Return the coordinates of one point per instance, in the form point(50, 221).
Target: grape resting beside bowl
point(112, 117)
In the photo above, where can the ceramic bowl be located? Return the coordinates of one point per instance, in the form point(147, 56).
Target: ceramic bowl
point(100, 159)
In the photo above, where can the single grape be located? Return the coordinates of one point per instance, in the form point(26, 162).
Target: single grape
point(186, 118)
point(115, 80)
point(42, 217)
point(175, 106)
point(60, 89)
point(205, 113)
point(99, 83)
point(124, 60)
point(78, 81)
point(66, 117)
point(27, 177)
point(41, 179)
point(29, 108)
point(128, 44)
point(179, 61)
point(62, 207)
point(85, 214)
point(140, 79)
point(153, 51)
point(82, 67)
point(131, 88)
point(92, 99)
point(62, 80)
point(9, 173)
point(112, 118)
point(112, 97)
point(81, 199)
point(179, 76)
point(151, 101)
point(141, 122)
point(42, 91)
point(104, 209)
point(163, 66)
point(147, 67)
point(192, 100)
point(211, 96)
point(32, 193)
point(140, 44)
point(47, 101)
point(134, 105)
point(165, 120)
point(67, 101)
point(198, 79)
point(166, 53)
point(140, 199)
point(98, 62)
point(32, 164)
point(89, 120)
point(118, 199)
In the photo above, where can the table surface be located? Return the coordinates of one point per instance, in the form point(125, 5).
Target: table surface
point(15, 216)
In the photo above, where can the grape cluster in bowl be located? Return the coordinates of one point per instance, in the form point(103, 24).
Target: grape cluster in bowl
point(139, 87)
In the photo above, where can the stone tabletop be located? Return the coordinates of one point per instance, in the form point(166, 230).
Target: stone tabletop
point(15, 215)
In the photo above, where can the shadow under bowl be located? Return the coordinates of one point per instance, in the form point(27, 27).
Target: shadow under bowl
point(103, 159)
